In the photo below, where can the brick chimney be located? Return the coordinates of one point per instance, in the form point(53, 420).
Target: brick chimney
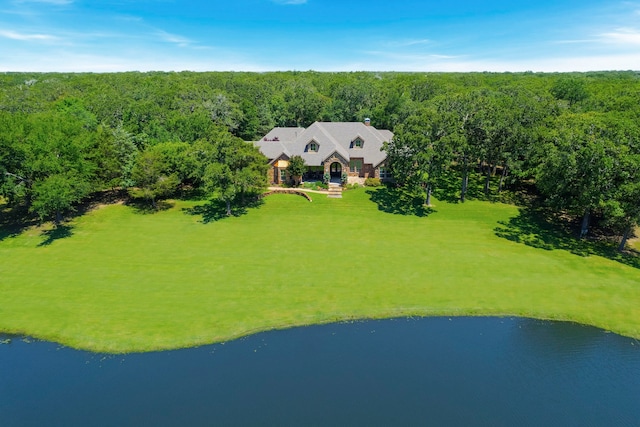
point(367, 121)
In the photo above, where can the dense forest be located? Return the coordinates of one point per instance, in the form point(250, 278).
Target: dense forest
point(570, 141)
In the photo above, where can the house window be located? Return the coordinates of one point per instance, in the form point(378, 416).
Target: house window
point(283, 175)
point(355, 166)
point(313, 146)
point(357, 143)
point(384, 173)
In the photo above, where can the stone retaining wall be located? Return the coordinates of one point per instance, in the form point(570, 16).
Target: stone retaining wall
point(288, 191)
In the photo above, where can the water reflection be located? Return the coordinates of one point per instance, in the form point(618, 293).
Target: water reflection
point(438, 371)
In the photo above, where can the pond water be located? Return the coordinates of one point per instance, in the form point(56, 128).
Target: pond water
point(430, 371)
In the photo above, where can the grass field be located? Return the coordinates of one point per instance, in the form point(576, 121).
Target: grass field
point(117, 280)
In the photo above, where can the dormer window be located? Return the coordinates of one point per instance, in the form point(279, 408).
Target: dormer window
point(312, 146)
point(357, 143)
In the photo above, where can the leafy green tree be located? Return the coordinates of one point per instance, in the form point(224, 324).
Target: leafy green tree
point(578, 166)
point(297, 167)
point(224, 181)
point(570, 89)
point(458, 115)
point(622, 210)
point(57, 194)
point(151, 177)
point(302, 104)
point(223, 111)
point(73, 107)
point(177, 159)
point(420, 152)
point(52, 168)
point(233, 170)
point(14, 179)
point(126, 152)
point(114, 154)
point(528, 115)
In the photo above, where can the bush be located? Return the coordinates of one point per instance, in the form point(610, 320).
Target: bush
point(353, 186)
point(326, 178)
point(344, 178)
point(323, 185)
point(372, 182)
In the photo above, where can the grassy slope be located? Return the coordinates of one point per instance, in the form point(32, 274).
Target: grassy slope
point(124, 281)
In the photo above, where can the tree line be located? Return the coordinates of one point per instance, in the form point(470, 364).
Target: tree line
point(573, 136)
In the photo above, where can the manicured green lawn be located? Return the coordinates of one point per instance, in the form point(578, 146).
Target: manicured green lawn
point(122, 281)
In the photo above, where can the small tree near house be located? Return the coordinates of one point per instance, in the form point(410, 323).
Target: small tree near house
point(296, 169)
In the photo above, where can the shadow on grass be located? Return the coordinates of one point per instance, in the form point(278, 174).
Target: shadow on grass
point(191, 193)
point(537, 228)
point(397, 201)
point(216, 210)
point(144, 207)
point(449, 185)
point(58, 232)
point(14, 221)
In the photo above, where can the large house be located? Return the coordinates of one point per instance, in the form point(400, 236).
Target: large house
point(350, 149)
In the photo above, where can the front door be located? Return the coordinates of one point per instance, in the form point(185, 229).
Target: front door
point(335, 170)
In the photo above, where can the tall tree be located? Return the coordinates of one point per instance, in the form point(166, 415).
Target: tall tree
point(56, 167)
point(578, 165)
point(233, 170)
point(459, 115)
point(420, 152)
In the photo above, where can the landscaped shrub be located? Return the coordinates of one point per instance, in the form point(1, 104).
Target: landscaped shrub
point(353, 186)
point(372, 182)
point(314, 185)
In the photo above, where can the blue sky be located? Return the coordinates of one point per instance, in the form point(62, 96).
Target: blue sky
point(322, 35)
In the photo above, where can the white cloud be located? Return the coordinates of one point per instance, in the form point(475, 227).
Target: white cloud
point(577, 41)
point(173, 38)
point(622, 36)
point(8, 34)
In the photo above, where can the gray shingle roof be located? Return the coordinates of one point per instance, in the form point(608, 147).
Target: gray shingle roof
point(331, 137)
point(272, 149)
point(283, 134)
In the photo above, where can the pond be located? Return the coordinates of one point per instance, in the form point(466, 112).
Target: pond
point(428, 371)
